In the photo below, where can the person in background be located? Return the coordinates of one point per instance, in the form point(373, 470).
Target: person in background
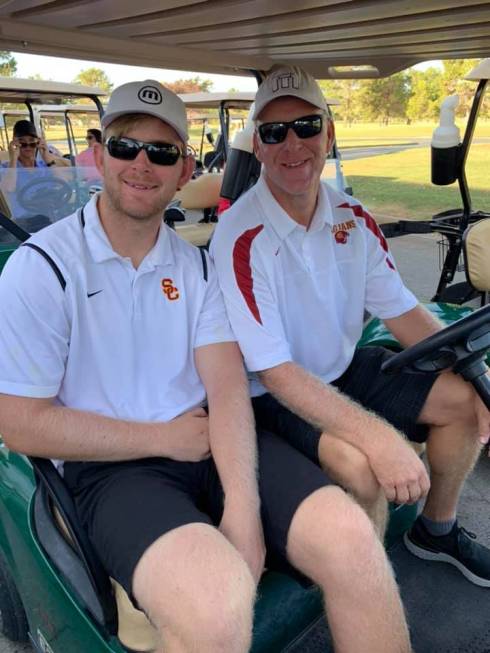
point(28, 150)
point(86, 158)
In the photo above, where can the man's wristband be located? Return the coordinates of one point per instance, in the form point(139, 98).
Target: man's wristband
point(51, 163)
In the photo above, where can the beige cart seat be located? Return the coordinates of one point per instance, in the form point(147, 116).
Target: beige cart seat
point(476, 249)
point(134, 629)
point(202, 192)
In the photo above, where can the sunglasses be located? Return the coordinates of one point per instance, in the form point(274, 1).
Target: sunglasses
point(127, 149)
point(31, 144)
point(272, 133)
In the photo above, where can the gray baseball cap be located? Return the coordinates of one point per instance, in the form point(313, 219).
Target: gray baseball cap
point(151, 98)
point(285, 80)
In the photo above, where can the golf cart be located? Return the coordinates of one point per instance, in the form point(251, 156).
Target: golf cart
point(40, 195)
point(53, 591)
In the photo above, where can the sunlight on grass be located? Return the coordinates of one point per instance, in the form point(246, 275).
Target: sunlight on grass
point(399, 184)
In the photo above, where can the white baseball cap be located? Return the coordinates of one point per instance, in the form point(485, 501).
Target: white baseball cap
point(151, 98)
point(285, 80)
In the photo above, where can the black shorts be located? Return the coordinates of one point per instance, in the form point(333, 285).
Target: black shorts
point(126, 506)
point(398, 398)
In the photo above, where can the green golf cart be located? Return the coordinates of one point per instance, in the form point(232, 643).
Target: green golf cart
point(54, 592)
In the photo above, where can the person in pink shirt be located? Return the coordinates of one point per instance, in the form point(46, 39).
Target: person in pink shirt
point(86, 158)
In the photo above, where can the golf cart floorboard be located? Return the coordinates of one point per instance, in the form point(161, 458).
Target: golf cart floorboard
point(445, 612)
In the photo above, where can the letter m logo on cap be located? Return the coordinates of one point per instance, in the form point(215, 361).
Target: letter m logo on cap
point(150, 95)
point(285, 80)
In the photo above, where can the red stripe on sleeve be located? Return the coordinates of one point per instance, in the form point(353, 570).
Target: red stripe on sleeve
point(371, 224)
point(243, 270)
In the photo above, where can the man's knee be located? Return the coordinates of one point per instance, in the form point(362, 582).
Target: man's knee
point(193, 585)
point(328, 529)
point(451, 400)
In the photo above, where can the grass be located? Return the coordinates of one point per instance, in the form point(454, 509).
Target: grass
point(399, 184)
point(373, 133)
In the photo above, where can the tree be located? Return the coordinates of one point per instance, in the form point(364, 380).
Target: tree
point(453, 82)
point(8, 64)
point(190, 85)
point(347, 92)
point(94, 77)
point(426, 94)
point(386, 98)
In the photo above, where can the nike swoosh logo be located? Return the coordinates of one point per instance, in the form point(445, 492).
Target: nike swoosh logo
point(91, 294)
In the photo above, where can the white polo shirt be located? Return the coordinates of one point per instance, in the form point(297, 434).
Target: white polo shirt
point(118, 341)
point(299, 295)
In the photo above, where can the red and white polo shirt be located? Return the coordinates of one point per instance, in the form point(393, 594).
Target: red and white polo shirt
point(299, 295)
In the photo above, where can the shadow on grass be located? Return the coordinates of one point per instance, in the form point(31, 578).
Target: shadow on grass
point(390, 196)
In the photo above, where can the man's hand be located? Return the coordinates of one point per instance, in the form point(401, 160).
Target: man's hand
point(399, 470)
point(190, 436)
point(243, 528)
point(43, 147)
point(14, 150)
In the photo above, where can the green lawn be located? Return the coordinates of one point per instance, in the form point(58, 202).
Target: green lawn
point(399, 184)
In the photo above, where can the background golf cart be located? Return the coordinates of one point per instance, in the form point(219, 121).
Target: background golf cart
point(44, 100)
point(322, 37)
point(44, 195)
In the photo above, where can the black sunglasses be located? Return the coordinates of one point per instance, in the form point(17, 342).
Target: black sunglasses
point(272, 133)
point(31, 144)
point(127, 149)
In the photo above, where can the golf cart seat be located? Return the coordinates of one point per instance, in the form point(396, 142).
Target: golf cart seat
point(476, 241)
point(202, 192)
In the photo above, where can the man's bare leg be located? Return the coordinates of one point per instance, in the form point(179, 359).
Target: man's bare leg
point(349, 467)
point(197, 591)
point(332, 541)
point(452, 447)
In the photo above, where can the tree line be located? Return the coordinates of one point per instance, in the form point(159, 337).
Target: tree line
point(407, 96)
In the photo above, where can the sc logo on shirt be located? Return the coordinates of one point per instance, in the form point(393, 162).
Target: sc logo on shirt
point(169, 290)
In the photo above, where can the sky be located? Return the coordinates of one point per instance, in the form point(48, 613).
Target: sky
point(67, 69)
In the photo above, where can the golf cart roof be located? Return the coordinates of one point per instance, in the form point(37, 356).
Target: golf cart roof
point(376, 37)
point(215, 100)
point(18, 90)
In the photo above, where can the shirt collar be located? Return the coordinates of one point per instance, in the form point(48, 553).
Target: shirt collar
point(282, 224)
point(101, 249)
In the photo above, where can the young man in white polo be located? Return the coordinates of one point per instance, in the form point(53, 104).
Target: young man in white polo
point(114, 337)
point(298, 264)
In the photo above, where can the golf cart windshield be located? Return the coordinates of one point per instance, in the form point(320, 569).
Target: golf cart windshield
point(44, 195)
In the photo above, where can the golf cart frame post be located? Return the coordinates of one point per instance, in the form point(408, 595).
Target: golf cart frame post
point(448, 167)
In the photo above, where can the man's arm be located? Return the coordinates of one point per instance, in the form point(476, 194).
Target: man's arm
point(413, 326)
point(38, 427)
point(233, 447)
point(397, 468)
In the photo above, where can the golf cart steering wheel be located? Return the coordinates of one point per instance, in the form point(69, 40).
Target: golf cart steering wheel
point(461, 346)
point(47, 195)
